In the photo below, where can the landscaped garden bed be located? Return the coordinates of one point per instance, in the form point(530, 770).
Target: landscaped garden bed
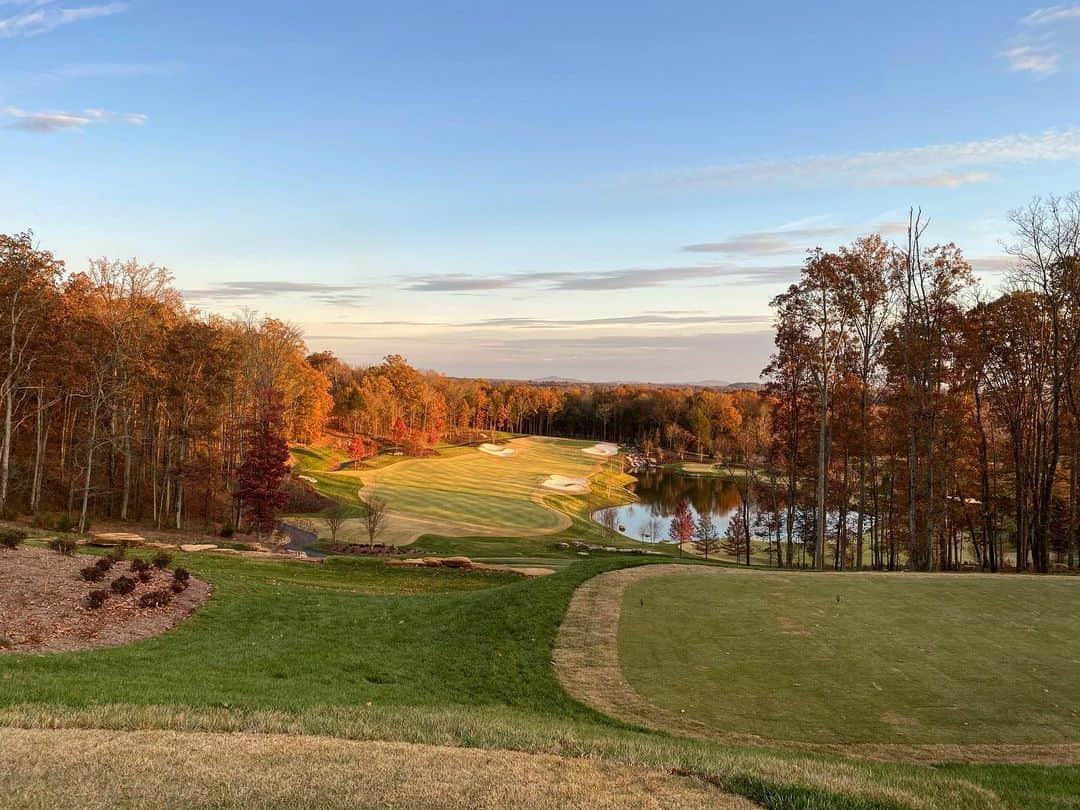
point(51, 602)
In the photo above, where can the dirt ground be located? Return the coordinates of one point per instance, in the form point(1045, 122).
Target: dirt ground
point(43, 604)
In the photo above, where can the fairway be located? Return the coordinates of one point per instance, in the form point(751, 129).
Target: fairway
point(476, 493)
point(826, 658)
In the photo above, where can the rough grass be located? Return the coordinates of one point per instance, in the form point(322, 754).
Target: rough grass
point(355, 650)
point(827, 658)
point(163, 769)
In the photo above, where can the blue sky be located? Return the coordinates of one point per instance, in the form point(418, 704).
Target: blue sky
point(590, 190)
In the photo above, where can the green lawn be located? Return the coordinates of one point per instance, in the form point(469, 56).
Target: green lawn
point(359, 650)
point(849, 659)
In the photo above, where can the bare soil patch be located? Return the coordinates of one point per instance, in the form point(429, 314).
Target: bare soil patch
point(43, 604)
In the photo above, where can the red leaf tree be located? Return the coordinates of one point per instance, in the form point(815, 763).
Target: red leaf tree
point(265, 465)
point(681, 530)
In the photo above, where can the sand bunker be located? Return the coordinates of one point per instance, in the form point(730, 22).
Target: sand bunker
point(563, 483)
point(496, 450)
point(604, 449)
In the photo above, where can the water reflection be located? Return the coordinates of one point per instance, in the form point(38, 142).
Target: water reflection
point(659, 492)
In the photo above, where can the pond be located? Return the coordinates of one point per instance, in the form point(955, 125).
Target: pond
point(659, 492)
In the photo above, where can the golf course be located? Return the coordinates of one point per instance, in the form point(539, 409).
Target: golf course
point(610, 682)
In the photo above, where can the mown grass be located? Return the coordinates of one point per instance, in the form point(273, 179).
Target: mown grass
point(356, 649)
point(828, 658)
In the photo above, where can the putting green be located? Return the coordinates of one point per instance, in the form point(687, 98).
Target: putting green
point(477, 493)
point(858, 659)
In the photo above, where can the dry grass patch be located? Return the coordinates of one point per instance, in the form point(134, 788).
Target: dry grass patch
point(165, 769)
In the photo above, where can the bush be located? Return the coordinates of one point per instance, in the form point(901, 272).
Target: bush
point(92, 573)
point(12, 538)
point(118, 553)
point(65, 523)
point(64, 545)
point(181, 575)
point(122, 585)
point(104, 563)
point(96, 598)
point(227, 531)
point(162, 561)
point(138, 565)
point(5, 642)
point(178, 586)
point(155, 599)
point(145, 575)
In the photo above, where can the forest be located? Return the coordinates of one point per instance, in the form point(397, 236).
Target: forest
point(907, 413)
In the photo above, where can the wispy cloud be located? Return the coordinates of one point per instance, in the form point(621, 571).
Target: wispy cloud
point(646, 319)
point(1052, 14)
point(1044, 40)
point(42, 16)
point(49, 122)
point(950, 179)
point(897, 167)
point(1038, 59)
point(337, 294)
point(780, 242)
point(606, 280)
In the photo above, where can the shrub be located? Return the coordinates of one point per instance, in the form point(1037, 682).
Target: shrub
point(64, 523)
point(144, 575)
point(92, 573)
point(227, 531)
point(162, 560)
point(178, 586)
point(96, 598)
point(155, 599)
point(138, 565)
point(5, 642)
point(64, 545)
point(104, 563)
point(122, 585)
point(119, 552)
point(12, 538)
point(181, 575)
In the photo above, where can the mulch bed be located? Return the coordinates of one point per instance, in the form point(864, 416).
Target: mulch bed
point(43, 604)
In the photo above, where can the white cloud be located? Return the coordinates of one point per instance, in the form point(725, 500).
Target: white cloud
point(1040, 60)
point(48, 122)
point(897, 167)
point(42, 17)
point(950, 179)
point(1040, 46)
point(1052, 14)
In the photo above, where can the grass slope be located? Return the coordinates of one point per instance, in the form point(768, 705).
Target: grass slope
point(89, 769)
point(851, 659)
point(354, 649)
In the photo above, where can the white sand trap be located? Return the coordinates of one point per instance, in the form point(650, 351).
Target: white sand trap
point(496, 450)
point(604, 449)
point(563, 483)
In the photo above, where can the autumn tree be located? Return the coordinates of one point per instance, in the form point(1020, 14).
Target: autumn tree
point(706, 538)
point(681, 530)
point(266, 455)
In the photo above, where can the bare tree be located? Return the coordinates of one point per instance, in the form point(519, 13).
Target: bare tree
point(334, 518)
point(374, 519)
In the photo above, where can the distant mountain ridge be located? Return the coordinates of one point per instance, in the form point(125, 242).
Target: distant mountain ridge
point(722, 385)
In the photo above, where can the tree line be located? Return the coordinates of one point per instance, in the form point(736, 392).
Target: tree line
point(118, 400)
point(941, 417)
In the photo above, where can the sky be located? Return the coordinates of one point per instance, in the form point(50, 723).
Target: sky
point(587, 190)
